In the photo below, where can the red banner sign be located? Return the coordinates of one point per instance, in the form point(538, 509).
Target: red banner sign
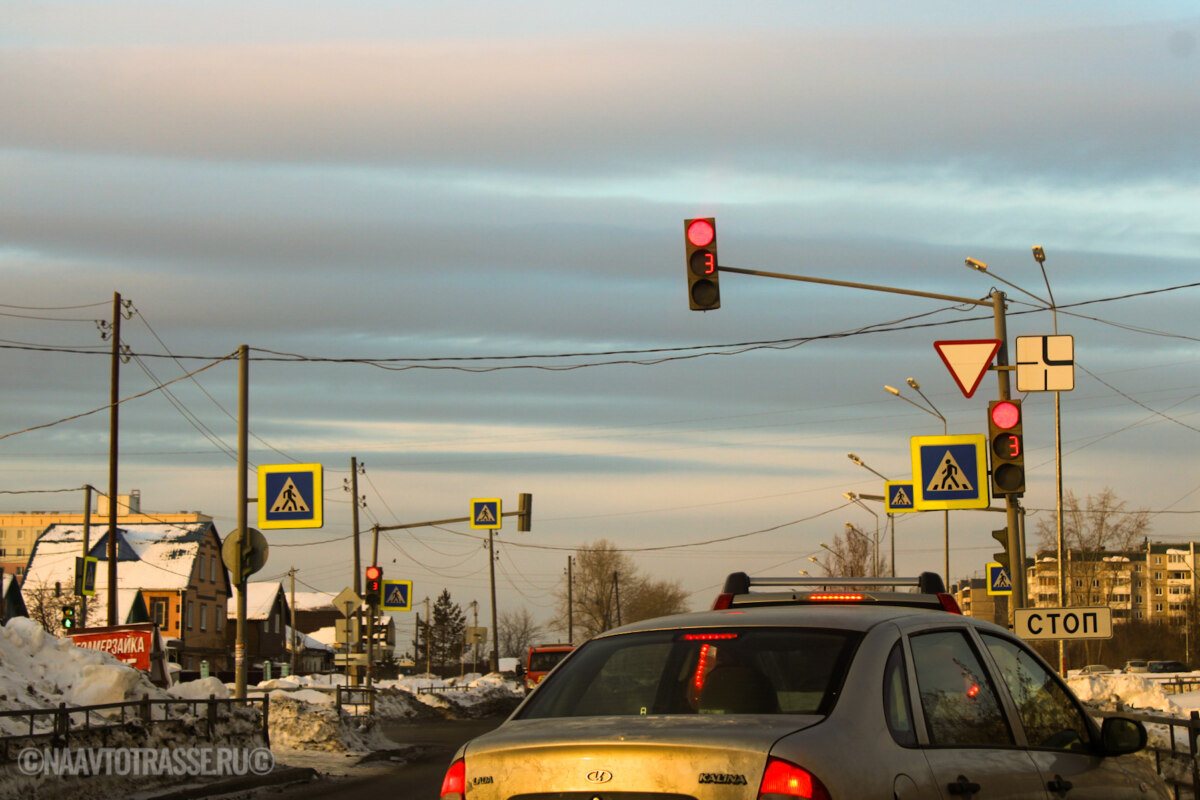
point(128, 644)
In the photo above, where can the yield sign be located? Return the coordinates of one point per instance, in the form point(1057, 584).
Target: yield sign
point(968, 360)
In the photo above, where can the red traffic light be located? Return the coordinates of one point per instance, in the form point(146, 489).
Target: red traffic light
point(700, 233)
point(374, 573)
point(1006, 415)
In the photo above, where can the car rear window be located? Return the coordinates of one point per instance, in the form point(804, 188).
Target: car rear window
point(545, 660)
point(727, 671)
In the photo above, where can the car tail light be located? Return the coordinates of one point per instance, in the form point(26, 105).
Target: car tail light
point(949, 603)
point(785, 779)
point(454, 785)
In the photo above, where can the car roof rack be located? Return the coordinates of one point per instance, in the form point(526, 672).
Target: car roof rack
point(923, 591)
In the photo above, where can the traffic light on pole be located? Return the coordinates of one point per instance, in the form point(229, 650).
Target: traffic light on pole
point(68, 618)
point(374, 585)
point(1007, 444)
point(525, 513)
point(1002, 557)
point(700, 249)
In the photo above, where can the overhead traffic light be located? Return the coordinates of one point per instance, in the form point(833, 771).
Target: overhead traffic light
point(68, 618)
point(1007, 444)
point(700, 249)
point(374, 585)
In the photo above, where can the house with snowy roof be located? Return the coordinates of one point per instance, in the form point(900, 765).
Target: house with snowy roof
point(267, 613)
point(167, 573)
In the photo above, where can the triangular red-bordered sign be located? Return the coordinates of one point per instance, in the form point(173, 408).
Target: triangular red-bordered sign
point(967, 360)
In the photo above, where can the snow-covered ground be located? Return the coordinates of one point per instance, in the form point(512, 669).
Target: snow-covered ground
point(40, 671)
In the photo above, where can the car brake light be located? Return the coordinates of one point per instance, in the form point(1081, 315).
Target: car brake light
point(454, 785)
point(723, 602)
point(949, 603)
point(784, 779)
point(708, 637)
point(827, 597)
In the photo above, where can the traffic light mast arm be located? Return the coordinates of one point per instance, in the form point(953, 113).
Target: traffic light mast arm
point(986, 301)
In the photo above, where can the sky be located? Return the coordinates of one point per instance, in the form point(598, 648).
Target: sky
point(451, 236)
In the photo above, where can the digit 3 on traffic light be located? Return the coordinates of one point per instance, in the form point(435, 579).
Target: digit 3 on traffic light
point(1006, 441)
point(374, 585)
point(700, 248)
point(68, 617)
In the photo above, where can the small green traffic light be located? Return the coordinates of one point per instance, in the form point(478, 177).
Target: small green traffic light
point(68, 618)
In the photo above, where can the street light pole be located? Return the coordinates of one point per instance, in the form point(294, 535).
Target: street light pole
point(891, 517)
point(932, 410)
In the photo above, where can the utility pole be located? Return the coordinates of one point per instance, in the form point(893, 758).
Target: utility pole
point(239, 650)
point(617, 592)
point(570, 600)
point(475, 639)
point(356, 646)
point(113, 429)
point(495, 665)
point(428, 638)
point(293, 637)
point(87, 535)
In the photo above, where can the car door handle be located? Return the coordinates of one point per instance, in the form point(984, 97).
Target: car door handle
point(1059, 784)
point(963, 786)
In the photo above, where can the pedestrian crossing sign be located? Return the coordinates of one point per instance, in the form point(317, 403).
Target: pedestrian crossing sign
point(289, 496)
point(397, 595)
point(899, 497)
point(999, 581)
point(485, 513)
point(949, 472)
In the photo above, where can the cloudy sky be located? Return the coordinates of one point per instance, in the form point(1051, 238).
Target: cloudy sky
point(475, 210)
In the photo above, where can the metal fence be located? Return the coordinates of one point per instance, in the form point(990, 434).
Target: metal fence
point(58, 725)
point(356, 698)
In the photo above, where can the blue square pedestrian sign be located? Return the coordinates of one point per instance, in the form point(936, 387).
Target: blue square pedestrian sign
point(485, 513)
point(899, 497)
point(998, 580)
point(950, 471)
point(397, 595)
point(289, 496)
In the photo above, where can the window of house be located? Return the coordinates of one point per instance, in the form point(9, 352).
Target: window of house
point(190, 609)
point(219, 625)
point(1158, 559)
point(204, 616)
point(212, 568)
point(159, 612)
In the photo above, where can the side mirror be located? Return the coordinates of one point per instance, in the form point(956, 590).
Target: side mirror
point(1120, 736)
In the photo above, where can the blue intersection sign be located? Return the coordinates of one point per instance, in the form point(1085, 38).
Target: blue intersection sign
point(290, 496)
point(950, 472)
point(999, 581)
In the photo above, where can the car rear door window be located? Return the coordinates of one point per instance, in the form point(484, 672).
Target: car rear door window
point(957, 697)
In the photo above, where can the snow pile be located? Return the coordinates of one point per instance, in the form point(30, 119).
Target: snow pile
point(472, 695)
point(38, 670)
point(201, 689)
point(300, 725)
point(1133, 691)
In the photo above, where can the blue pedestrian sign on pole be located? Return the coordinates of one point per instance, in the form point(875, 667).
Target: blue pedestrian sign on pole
point(950, 471)
point(289, 496)
point(397, 595)
point(485, 513)
point(998, 579)
point(899, 497)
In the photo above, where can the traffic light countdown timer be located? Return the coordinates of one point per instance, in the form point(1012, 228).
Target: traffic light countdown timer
point(374, 587)
point(1006, 441)
point(700, 247)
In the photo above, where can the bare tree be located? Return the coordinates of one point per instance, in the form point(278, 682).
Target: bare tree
point(517, 631)
point(609, 587)
point(851, 556)
point(44, 602)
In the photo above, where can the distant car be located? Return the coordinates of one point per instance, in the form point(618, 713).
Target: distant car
point(1167, 666)
point(1137, 665)
point(825, 699)
point(1096, 669)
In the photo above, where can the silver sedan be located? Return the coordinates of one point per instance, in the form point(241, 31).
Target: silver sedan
point(816, 701)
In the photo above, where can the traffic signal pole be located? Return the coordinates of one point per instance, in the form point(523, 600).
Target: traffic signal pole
point(996, 301)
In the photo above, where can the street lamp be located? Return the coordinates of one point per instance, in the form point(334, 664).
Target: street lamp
point(891, 517)
point(1039, 255)
point(853, 498)
point(931, 409)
